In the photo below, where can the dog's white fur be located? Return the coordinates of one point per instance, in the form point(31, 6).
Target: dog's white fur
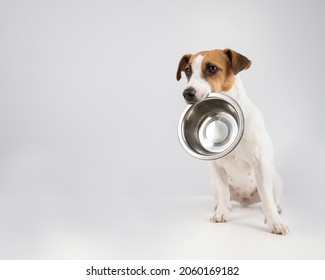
point(247, 174)
point(202, 87)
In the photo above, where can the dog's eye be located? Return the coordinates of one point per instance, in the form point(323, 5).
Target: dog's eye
point(188, 70)
point(212, 69)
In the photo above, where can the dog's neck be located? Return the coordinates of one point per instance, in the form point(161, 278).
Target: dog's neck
point(238, 93)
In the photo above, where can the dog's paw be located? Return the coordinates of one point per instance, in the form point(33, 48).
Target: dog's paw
point(220, 215)
point(276, 226)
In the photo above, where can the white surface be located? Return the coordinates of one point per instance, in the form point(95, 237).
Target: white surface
point(40, 227)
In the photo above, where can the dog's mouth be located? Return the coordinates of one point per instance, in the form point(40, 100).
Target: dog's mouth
point(195, 99)
point(190, 102)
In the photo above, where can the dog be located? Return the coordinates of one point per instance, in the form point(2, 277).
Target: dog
point(247, 174)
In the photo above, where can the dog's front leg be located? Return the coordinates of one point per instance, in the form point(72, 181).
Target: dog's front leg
point(264, 182)
point(221, 192)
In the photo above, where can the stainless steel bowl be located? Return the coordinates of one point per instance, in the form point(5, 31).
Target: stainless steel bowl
point(212, 128)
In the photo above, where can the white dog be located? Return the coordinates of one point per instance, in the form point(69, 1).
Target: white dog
point(247, 174)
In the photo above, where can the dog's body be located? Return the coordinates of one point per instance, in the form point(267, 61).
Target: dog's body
point(247, 174)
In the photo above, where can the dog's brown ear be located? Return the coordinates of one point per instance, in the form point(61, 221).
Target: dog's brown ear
point(237, 60)
point(181, 65)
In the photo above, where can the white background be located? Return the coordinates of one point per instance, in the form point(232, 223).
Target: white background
point(89, 102)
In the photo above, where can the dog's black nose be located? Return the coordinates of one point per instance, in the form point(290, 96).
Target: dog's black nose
point(189, 93)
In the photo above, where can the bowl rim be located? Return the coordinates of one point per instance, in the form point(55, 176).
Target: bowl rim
point(214, 156)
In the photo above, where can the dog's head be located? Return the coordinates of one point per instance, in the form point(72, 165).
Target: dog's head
point(210, 71)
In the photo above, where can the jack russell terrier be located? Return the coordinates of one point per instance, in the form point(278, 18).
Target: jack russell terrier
point(247, 174)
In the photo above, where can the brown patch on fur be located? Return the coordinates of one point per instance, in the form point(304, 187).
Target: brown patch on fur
point(224, 79)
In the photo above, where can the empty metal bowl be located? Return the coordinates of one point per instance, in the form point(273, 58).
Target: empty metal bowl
point(212, 128)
